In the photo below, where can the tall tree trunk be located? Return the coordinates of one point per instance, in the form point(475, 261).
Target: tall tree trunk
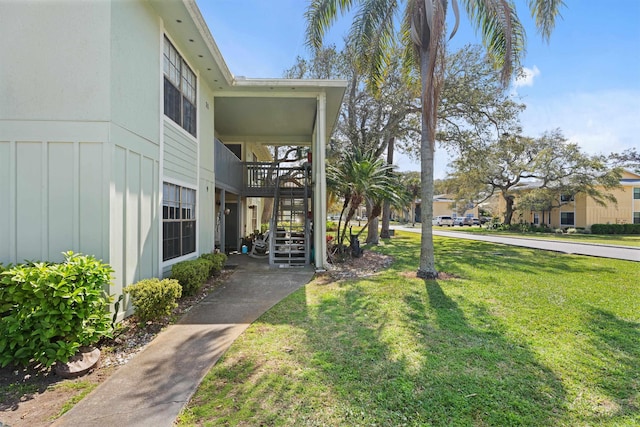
point(373, 238)
point(386, 207)
point(427, 268)
point(412, 212)
point(267, 212)
point(508, 213)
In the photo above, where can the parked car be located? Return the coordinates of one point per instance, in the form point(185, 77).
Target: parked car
point(463, 220)
point(442, 220)
point(475, 221)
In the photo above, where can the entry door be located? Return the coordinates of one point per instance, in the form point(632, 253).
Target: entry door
point(231, 236)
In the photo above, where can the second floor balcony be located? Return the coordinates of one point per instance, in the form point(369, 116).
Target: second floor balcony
point(256, 179)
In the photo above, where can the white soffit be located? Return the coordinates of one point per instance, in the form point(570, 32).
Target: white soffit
point(274, 111)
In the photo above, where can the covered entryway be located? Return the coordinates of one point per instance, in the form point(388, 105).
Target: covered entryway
point(279, 112)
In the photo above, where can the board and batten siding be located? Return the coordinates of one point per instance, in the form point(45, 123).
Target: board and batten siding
point(52, 199)
point(134, 195)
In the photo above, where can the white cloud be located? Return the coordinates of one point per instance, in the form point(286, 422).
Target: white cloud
point(526, 77)
point(599, 122)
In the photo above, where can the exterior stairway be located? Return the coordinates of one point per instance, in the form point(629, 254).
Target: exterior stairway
point(290, 243)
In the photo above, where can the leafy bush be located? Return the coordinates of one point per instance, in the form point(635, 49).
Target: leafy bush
point(542, 228)
point(217, 260)
point(154, 298)
point(191, 274)
point(48, 311)
point(615, 229)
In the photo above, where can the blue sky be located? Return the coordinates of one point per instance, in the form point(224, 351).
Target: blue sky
point(585, 81)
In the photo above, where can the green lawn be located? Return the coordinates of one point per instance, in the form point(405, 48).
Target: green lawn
point(517, 337)
point(611, 239)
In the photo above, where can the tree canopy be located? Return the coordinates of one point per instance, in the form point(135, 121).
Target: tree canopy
point(547, 166)
point(373, 34)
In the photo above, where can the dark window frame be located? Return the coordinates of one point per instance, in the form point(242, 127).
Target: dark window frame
point(178, 221)
point(564, 219)
point(180, 89)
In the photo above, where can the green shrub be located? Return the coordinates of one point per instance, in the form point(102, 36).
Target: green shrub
point(191, 274)
point(217, 260)
point(615, 229)
point(154, 298)
point(51, 310)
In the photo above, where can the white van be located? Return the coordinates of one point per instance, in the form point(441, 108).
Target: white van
point(442, 220)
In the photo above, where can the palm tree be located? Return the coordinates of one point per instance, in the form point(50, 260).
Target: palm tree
point(423, 35)
point(360, 178)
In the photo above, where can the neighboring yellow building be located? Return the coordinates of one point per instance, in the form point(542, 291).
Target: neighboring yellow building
point(444, 204)
point(582, 211)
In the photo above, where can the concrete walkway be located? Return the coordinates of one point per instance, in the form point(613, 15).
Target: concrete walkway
point(152, 388)
point(627, 253)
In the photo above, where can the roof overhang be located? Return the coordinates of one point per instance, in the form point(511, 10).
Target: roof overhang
point(276, 111)
point(184, 22)
point(269, 111)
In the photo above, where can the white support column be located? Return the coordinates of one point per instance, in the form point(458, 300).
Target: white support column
point(240, 221)
point(223, 206)
point(320, 185)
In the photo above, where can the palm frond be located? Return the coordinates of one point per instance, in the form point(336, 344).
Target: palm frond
point(456, 14)
point(545, 13)
point(320, 15)
point(372, 33)
point(502, 33)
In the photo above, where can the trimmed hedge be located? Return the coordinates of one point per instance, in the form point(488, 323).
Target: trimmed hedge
point(48, 311)
point(191, 274)
point(154, 298)
point(218, 260)
point(615, 229)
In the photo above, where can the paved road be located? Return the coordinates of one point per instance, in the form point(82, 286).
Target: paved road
point(590, 249)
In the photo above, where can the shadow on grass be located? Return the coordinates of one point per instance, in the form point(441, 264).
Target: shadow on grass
point(360, 360)
point(412, 357)
point(480, 376)
point(618, 343)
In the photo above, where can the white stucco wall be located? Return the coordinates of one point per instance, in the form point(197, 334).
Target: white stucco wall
point(55, 60)
point(54, 113)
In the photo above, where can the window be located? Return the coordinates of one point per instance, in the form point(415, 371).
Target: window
point(636, 193)
point(566, 198)
point(178, 221)
point(179, 89)
point(566, 218)
point(636, 217)
point(536, 218)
